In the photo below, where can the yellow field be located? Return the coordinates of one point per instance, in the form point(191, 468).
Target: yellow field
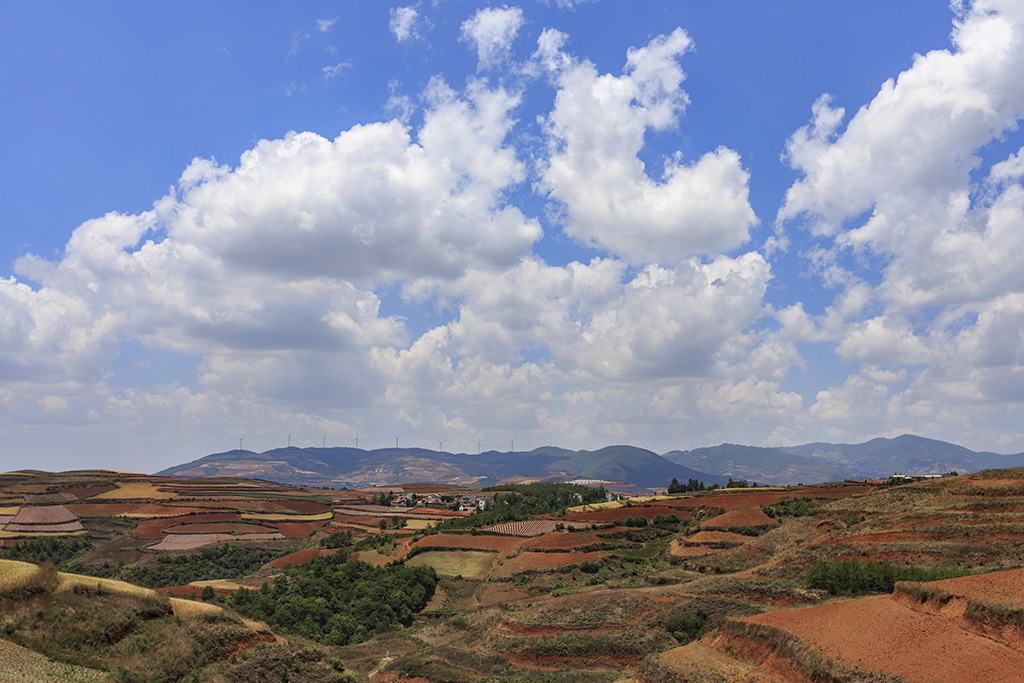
point(615, 504)
point(190, 608)
point(14, 573)
point(135, 489)
point(223, 584)
point(469, 564)
point(610, 505)
point(40, 534)
point(10, 510)
point(221, 484)
point(278, 517)
point(21, 665)
point(69, 581)
point(418, 524)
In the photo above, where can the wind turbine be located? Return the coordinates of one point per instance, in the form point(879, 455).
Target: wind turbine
point(396, 441)
point(478, 446)
point(325, 439)
point(439, 444)
point(512, 445)
point(289, 441)
point(357, 439)
point(240, 441)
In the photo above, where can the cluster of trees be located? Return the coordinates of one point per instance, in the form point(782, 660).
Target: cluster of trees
point(796, 507)
point(669, 521)
point(690, 485)
point(854, 577)
point(59, 551)
point(337, 539)
point(694, 485)
point(211, 562)
point(337, 602)
point(519, 502)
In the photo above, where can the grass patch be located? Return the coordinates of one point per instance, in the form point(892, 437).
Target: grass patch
point(469, 564)
point(15, 575)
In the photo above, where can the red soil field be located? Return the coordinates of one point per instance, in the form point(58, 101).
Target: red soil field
point(468, 542)
point(101, 509)
point(679, 550)
point(710, 536)
point(154, 528)
point(86, 491)
point(1006, 587)
point(166, 510)
point(295, 529)
point(218, 528)
point(302, 507)
point(646, 511)
point(527, 561)
point(879, 634)
point(738, 518)
point(302, 557)
point(566, 541)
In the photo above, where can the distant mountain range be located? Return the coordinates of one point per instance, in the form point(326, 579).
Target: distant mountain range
point(809, 463)
point(907, 454)
point(762, 465)
point(355, 467)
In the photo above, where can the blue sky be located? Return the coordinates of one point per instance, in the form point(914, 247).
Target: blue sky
point(572, 223)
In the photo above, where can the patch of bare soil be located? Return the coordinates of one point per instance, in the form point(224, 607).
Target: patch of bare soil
point(702, 664)
point(468, 542)
point(1005, 587)
point(878, 634)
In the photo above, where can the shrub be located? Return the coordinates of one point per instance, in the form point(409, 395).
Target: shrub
point(854, 577)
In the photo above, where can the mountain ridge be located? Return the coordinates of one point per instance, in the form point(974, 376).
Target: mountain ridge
point(807, 463)
point(353, 467)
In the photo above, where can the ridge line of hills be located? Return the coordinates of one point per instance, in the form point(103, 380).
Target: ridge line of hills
point(808, 463)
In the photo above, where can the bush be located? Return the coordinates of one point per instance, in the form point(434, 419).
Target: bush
point(688, 625)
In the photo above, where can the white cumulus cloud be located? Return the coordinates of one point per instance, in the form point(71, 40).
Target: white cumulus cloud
point(491, 32)
point(610, 199)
